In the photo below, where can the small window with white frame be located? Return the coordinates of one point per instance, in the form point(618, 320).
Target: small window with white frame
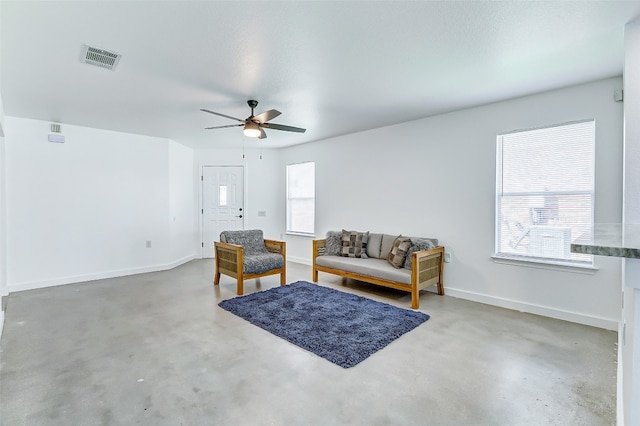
point(301, 198)
point(545, 193)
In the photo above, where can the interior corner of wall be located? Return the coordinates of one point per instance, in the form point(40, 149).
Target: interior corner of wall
point(1, 322)
point(1, 118)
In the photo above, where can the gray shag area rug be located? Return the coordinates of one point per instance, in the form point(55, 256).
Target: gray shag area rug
point(341, 327)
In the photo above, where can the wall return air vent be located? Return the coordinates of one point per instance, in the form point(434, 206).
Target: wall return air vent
point(100, 57)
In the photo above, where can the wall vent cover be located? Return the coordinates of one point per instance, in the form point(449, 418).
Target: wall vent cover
point(100, 57)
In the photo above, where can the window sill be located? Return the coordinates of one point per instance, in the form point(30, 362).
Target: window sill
point(540, 264)
point(299, 234)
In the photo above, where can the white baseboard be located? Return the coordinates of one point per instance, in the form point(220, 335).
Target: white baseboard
point(606, 323)
point(620, 382)
point(546, 311)
point(300, 260)
point(32, 285)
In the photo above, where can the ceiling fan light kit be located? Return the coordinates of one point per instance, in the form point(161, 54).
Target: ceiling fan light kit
point(251, 130)
point(254, 125)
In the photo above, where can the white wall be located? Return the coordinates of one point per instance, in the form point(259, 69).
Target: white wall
point(629, 365)
point(84, 209)
point(264, 177)
point(183, 220)
point(3, 267)
point(435, 177)
point(3, 228)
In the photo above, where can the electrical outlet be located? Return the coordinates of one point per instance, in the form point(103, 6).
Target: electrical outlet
point(618, 95)
point(447, 257)
point(148, 244)
point(262, 213)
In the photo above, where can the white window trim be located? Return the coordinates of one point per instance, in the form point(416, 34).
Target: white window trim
point(293, 232)
point(532, 261)
point(545, 264)
point(300, 234)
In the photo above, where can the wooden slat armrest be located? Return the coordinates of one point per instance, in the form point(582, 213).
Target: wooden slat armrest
point(436, 251)
point(227, 247)
point(231, 253)
point(428, 266)
point(318, 248)
point(275, 246)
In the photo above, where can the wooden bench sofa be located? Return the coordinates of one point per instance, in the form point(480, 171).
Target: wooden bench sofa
point(423, 269)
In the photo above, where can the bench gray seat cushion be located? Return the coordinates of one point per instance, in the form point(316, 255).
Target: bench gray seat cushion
point(261, 263)
point(376, 268)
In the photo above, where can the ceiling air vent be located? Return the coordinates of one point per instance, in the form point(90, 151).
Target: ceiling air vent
point(100, 57)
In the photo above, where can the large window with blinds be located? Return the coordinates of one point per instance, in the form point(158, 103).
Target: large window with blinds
point(545, 193)
point(301, 198)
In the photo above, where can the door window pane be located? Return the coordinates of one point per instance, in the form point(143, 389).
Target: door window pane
point(222, 195)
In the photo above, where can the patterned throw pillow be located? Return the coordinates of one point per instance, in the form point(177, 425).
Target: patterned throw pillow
point(354, 244)
point(398, 252)
point(333, 245)
point(418, 244)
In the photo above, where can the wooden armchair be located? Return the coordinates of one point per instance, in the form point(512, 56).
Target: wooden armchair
point(245, 255)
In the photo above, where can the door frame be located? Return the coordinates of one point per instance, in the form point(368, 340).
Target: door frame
point(201, 198)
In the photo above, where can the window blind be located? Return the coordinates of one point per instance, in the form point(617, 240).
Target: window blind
point(545, 192)
point(301, 198)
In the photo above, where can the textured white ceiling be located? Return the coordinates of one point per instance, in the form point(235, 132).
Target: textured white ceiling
point(331, 67)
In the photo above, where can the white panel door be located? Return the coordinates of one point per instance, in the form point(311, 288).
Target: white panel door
point(222, 203)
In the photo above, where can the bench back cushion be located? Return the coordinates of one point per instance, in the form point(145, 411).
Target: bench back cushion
point(373, 246)
point(379, 245)
point(387, 245)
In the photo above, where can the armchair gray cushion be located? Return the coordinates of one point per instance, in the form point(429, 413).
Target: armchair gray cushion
point(252, 241)
point(260, 263)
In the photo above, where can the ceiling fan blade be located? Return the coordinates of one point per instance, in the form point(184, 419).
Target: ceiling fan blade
point(267, 115)
point(283, 127)
point(223, 127)
point(221, 115)
point(263, 135)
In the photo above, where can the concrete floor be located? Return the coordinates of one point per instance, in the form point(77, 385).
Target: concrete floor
point(155, 349)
